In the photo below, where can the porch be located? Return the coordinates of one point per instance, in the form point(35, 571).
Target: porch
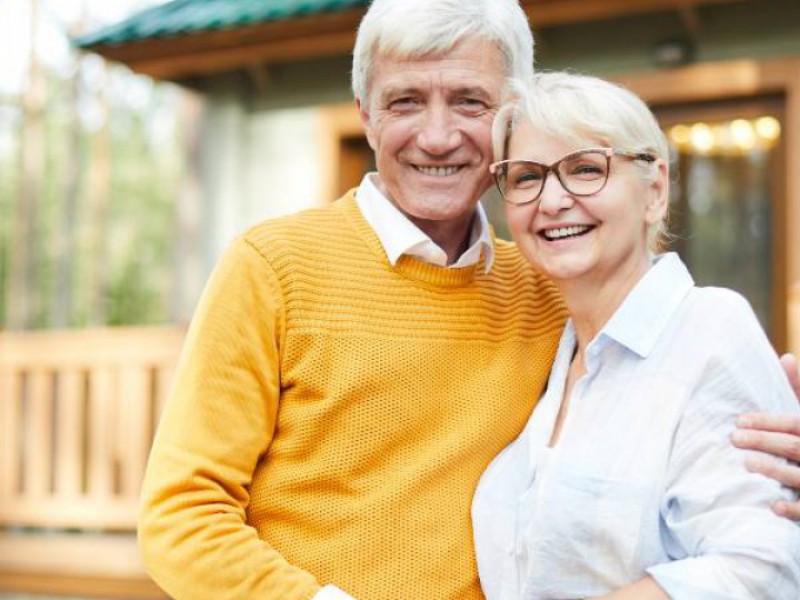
point(78, 411)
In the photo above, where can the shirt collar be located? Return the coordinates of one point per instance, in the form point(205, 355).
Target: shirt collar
point(644, 314)
point(399, 236)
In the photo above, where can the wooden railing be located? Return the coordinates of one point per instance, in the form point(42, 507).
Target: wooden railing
point(78, 411)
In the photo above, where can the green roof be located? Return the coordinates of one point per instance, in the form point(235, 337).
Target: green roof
point(195, 16)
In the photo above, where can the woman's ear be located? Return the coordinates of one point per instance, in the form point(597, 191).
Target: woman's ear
point(658, 193)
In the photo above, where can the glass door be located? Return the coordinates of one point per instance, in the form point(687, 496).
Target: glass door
point(727, 193)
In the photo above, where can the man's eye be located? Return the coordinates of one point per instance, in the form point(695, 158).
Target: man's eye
point(403, 103)
point(473, 104)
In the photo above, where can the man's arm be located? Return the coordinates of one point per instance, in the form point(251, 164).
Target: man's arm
point(779, 435)
point(194, 534)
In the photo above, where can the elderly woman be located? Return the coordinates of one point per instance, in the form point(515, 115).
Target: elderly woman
point(624, 483)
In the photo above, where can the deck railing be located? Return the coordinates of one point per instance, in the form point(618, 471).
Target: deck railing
point(78, 410)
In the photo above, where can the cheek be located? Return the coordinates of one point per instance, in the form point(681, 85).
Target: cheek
point(519, 221)
point(481, 135)
point(387, 137)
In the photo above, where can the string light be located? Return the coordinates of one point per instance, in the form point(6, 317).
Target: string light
point(738, 136)
point(768, 128)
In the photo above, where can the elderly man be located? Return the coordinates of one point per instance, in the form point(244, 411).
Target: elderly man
point(351, 370)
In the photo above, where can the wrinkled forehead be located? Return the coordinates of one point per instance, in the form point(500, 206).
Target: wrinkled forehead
point(475, 66)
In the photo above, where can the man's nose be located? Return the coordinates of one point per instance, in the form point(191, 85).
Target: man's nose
point(439, 133)
point(554, 197)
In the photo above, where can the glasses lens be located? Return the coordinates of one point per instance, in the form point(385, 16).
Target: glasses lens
point(584, 173)
point(520, 181)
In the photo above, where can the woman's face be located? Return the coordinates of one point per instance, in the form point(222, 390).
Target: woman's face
point(598, 239)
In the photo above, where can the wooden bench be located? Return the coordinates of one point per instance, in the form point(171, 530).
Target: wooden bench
point(78, 411)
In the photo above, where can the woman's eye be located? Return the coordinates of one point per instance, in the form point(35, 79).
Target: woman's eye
point(586, 170)
point(525, 178)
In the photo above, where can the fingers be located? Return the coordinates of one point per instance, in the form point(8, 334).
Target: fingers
point(790, 510)
point(790, 365)
point(787, 474)
point(778, 444)
point(779, 423)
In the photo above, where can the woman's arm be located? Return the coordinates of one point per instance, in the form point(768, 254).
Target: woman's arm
point(718, 527)
point(779, 435)
point(644, 589)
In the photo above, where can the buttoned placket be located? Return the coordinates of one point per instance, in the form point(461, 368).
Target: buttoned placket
point(543, 458)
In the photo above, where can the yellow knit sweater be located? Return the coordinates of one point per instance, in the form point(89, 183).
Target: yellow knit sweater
point(332, 414)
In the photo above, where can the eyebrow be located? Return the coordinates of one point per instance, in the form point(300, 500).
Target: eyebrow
point(392, 92)
point(475, 91)
point(472, 91)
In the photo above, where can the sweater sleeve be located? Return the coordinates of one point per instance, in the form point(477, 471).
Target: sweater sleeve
point(717, 523)
point(216, 426)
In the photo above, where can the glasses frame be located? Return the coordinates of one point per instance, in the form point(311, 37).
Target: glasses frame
point(496, 167)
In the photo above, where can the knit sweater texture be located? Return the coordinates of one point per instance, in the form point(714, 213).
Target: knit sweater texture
point(332, 414)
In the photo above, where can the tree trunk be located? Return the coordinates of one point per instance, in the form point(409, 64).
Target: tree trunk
point(66, 245)
point(24, 302)
point(99, 198)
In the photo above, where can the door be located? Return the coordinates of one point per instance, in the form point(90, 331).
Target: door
point(727, 195)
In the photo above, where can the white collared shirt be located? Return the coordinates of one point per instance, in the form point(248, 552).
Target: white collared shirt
point(400, 236)
point(644, 478)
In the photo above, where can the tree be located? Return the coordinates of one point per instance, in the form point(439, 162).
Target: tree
point(23, 300)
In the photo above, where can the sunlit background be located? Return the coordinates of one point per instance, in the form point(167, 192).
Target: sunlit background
point(119, 191)
point(91, 158)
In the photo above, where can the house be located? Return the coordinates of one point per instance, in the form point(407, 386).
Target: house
point(280, 131)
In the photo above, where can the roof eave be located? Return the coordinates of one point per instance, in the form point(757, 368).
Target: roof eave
point(206, 53)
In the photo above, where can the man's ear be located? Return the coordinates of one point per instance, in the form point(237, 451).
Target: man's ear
point(363, 113)
point(658, 194)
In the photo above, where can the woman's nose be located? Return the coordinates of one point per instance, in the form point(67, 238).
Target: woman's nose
point(554, 197)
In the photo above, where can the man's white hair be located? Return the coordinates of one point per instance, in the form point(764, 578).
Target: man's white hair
point(415, 28)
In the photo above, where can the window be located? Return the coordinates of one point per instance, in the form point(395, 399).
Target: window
point(727, 194)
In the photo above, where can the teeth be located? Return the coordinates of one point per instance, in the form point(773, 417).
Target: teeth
point(564, 232)
point(437, 171)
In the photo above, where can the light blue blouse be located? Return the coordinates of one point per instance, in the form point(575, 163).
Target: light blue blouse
point(644, 478)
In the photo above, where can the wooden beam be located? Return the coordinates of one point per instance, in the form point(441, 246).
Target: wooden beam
point(552, 13)
point(273, 33)
point(211, 61)
point(690, 16)
point(206, 53)
point(260, 77)
point(711, 81)
point(792, 132)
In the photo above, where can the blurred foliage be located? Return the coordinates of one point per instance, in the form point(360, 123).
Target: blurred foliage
point(136, 228)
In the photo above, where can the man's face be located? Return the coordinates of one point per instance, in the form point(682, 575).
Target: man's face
point(429, 122)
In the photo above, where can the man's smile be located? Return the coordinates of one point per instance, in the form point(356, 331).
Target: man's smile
point(442, 171)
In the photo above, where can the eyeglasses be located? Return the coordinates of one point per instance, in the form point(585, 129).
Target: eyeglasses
point(581, 173)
